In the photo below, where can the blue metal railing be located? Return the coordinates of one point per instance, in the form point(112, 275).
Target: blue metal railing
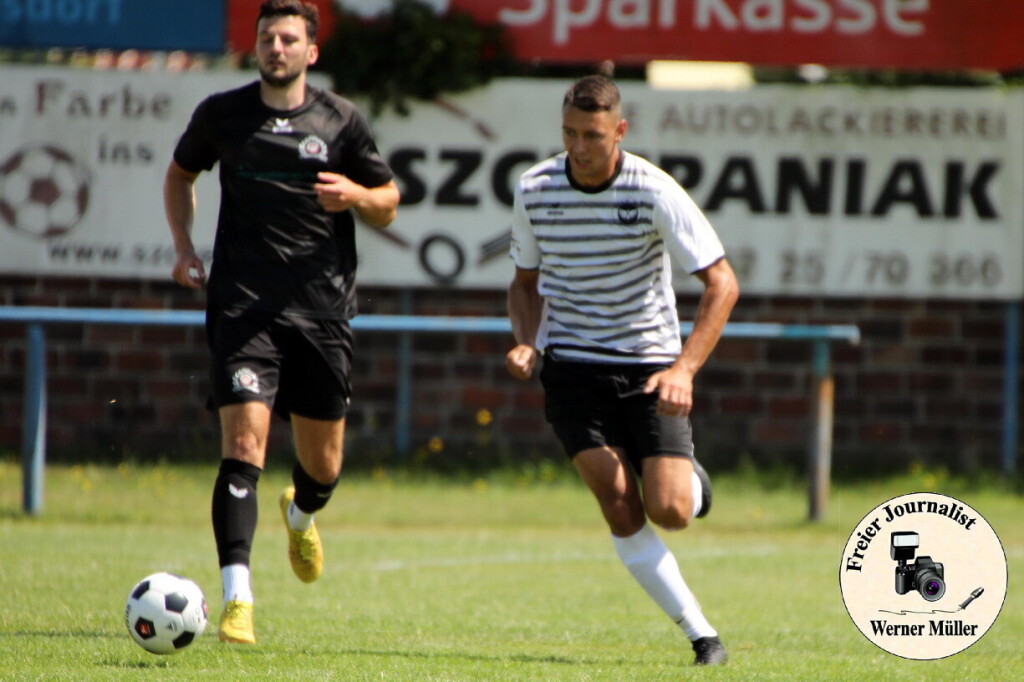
point(34, 435)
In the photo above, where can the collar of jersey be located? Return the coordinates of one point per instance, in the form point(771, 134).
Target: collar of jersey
point(597, 188)
point(287, 113)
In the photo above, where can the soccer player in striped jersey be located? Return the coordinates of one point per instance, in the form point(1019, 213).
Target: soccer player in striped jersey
point(594, 229)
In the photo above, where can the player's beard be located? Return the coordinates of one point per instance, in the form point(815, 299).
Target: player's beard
point(279, 81)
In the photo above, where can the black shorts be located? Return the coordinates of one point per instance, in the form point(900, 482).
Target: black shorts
point(591, 405)
point(293, 365)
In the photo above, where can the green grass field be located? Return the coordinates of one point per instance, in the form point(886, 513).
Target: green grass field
point(504, 578)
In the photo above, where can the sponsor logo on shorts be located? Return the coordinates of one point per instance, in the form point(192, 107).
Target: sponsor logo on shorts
point(245, 379)
point(312, 147)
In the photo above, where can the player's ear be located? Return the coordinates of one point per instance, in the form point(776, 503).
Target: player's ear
point(620, 129)
point(312, 55)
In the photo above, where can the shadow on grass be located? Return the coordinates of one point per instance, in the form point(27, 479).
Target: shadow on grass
point(136, 664)
point(62, 634)
point(14, 514)
point(424, 655)
point(128, 662)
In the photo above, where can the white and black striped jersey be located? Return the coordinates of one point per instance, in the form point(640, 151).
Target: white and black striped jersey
point(603, 255)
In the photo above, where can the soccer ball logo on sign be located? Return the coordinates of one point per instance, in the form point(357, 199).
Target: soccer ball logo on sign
point(44, 191)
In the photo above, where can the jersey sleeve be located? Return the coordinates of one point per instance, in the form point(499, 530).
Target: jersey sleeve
point(692, 242)
point(525, 252)
point(361, 161)
point(196, 149)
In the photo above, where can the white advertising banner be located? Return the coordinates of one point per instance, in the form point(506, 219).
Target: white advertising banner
point(82, 161)
point(814, 191)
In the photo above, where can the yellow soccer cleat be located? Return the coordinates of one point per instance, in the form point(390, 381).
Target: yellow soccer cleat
point(236, 623)
point(304, 548)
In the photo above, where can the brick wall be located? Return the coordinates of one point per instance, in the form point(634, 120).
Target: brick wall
point(924, 385)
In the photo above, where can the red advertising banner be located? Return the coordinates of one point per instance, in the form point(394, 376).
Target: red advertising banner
point(905, 34)
point(242, 23)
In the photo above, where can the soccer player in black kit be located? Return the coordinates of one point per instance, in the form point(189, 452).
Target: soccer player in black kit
point(293, 160)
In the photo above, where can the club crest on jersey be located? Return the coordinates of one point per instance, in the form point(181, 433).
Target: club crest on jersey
point(282, 126)
point(312, 147)
point(629, 214)
point(245, 379)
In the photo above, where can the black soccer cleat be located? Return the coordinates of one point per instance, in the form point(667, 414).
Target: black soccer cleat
point(705, 484)
point(709, 651)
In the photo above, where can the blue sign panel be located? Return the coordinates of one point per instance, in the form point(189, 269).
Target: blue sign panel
point(193, 25)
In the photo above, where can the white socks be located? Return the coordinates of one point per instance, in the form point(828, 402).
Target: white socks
point(697, 488)
point(236, 577)
point(236, 583)
point(655, 568)
point(298, 519)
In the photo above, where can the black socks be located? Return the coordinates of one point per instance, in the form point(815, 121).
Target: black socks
point(310, 496)
point(234, 511)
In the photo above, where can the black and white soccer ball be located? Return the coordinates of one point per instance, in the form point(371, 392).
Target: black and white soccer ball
point(44, 191)
point(165, 613)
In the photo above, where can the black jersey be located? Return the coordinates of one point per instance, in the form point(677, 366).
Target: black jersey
point(277, 251)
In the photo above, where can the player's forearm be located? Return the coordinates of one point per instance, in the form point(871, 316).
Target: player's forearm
point(180, 207)
point(716, 303)
point(525, 306)
point(379, 207)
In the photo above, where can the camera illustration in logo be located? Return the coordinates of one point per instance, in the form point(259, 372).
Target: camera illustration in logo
point(924, 575)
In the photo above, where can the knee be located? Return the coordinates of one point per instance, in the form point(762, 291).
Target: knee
point(325, 471)
point(322, 462)
point(670, 516)
point(321, 458)
point(244, 446)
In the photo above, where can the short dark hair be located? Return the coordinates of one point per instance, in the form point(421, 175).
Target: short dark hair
point(292, 8)
point(593, 93)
